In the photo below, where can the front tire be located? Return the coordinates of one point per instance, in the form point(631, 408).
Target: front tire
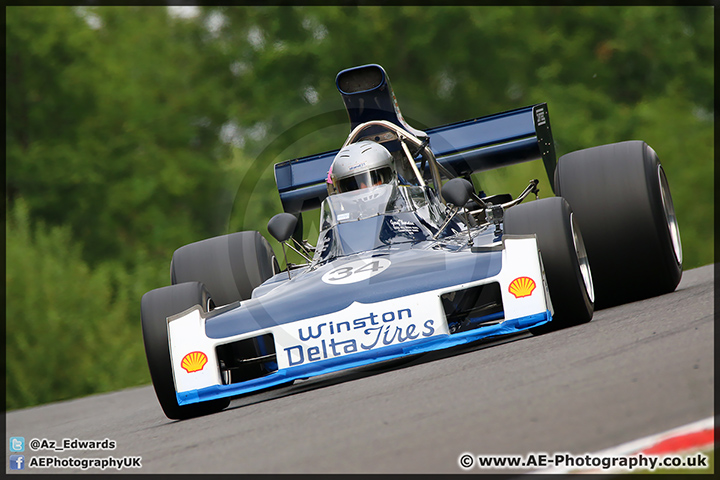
point(230, 266)
point(621, 197)
point(155, 307)
point(563, 255)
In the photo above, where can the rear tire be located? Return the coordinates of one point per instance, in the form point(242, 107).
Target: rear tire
point(230, 266)
point(155, 307)
point(622, 201)
point(563, 256)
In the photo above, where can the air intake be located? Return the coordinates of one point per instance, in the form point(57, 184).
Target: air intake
point(473, 307)
point(361, 79)
point(247, 359)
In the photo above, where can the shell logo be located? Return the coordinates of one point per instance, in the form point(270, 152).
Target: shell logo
point(194, 361)
point(522, 287)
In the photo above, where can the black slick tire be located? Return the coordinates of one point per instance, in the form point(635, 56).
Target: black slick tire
point(230, 266)
point(156, 306)
point(620, 195)
point(561, 250)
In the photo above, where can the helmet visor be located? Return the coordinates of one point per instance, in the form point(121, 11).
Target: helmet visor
point(364, 180)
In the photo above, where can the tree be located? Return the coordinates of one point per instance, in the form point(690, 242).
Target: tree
point(114, 130)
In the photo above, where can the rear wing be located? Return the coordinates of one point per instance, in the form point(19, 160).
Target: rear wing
point(463, 148)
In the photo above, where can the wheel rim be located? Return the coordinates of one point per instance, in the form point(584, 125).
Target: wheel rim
point(670, 217)
point(210, 305)
point(582, 258)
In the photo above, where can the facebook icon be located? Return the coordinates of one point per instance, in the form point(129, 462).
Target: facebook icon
point(17, 462)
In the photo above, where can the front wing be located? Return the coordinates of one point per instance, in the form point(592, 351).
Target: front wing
point(362, 333)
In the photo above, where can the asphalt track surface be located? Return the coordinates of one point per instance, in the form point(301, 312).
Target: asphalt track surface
point(635, 370)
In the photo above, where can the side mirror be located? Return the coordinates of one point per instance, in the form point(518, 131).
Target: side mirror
point(457, 191)
point(282, 226)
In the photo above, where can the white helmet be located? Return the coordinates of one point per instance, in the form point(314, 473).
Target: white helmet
point(361, 165)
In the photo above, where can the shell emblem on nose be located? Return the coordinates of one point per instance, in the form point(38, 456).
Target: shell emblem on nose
point(194, 361)
point(522, 287)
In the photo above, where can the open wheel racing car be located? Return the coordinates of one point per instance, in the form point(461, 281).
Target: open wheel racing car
point(410, 257)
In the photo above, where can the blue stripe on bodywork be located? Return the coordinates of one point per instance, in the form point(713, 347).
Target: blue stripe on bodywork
point(307, 296)
point(322, 367)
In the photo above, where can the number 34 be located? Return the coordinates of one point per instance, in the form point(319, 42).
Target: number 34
point(356, 271)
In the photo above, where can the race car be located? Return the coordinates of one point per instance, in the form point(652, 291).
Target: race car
point(411, 257)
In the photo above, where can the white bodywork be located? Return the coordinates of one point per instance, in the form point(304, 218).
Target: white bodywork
point(360, 327)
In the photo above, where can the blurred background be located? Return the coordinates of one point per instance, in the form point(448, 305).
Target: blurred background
point(131, 131)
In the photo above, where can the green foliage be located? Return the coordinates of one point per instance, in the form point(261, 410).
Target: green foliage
point(122, 146)
point(70, 330)
point(131, 132)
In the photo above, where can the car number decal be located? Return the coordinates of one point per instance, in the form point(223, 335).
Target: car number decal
point(356, 271)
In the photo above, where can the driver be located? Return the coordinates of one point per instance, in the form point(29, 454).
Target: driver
point(361, 165)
